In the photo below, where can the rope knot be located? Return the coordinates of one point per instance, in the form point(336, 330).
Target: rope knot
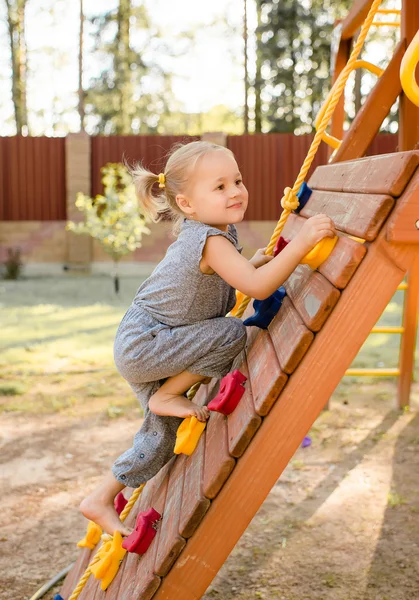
point(289, 200)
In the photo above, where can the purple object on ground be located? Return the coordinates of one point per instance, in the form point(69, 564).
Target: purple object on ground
point(306, 442)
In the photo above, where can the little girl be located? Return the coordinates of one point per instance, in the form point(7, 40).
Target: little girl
point(175, 332)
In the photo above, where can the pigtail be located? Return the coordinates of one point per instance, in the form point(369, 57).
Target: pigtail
point(153, 206)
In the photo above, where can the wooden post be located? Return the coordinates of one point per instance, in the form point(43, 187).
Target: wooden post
point(408, 140)
point(78, 179)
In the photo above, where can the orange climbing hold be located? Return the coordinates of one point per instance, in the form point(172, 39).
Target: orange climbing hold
point(188, 435)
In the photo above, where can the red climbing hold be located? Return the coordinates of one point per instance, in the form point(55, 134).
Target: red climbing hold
point(231, 391)
point(120, 503)
point(145, 530)
point(280, 245)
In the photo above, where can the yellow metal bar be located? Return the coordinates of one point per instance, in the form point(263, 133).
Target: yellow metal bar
point(387, 330)
point(358, 64)
point(402, 286)
point(373, 372)
point(408, 71)
point(388, 11)
point(386, 24)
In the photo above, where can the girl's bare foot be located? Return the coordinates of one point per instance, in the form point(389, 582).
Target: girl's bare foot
point(99, 507)
point(168, 405)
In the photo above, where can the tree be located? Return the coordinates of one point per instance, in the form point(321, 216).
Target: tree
point(16, 29)
point(114, 220)
point(293, 50)
point(121, 100)
point(81, 92)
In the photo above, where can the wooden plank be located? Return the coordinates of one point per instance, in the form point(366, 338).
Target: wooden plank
point(375, 109)
point(408, 112)
point(408, 340)
point(343, 261)
point(218, 463)
point(139, 580)
point(266, 378)
point(290, 337)
point(355, 18)
point(170, 542)
point(243, 422)
point(338, 118)
point(384, 174)
point(403, 224)
point(312, 296)
point(280, 434)
point(194, 504)
point(361, 215)
point(76, 572)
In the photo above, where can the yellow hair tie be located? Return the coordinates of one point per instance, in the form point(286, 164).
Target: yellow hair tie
point(161, 179)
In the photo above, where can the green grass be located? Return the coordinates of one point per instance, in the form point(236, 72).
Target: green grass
point(54, 328)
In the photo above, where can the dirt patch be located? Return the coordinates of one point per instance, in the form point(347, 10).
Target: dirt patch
point(341, 523)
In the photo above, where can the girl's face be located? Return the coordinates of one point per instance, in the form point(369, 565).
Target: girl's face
point(215, 194)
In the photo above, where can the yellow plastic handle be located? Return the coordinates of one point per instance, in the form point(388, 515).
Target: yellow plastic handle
point(408, 71)
point(320, 252)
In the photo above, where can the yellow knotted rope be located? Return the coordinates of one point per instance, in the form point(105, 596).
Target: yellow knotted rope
point(290, 201)
point(124, 514)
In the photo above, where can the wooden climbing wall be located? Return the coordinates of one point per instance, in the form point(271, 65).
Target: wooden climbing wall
point(208, 499)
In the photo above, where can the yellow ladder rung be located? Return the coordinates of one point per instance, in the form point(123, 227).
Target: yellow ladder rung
point(373, 372)
point(402, 286)
point(387, 330)
point(386, 24)
point(388, 11)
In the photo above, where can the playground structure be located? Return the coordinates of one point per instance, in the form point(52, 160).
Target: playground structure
point(208, 499)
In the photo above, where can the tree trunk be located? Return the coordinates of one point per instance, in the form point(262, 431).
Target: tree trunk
point(246, 75)
point(122, 67)
point(81, 92)
point(258, 75)
point(16, 27)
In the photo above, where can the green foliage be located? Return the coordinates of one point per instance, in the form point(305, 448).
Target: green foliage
point(114, 220)
point(294, 39)
point(13, 264)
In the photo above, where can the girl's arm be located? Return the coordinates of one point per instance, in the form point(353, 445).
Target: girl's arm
point(259, 283)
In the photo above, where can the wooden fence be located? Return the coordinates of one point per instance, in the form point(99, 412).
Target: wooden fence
point(33, 180)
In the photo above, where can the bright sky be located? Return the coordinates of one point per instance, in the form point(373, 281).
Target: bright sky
point(211, 75)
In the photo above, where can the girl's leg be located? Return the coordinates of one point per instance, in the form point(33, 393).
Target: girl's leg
point(169, 401)
point(99, 507)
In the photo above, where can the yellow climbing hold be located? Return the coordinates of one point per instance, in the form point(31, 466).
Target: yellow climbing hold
point(111, 554)
point(320, 252)
point(188, 434)
point(92, 536)
point(408, 71)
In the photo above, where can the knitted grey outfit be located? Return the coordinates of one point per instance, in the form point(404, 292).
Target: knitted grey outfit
point(176, 323)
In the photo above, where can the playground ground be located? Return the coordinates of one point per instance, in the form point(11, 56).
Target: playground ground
point(342, 523)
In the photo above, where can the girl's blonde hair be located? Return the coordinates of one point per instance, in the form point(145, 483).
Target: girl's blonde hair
point(179, 167)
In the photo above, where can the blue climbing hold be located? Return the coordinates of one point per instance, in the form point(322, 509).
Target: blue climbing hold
point(265, 310)
point(58, 597)
point(303, 195)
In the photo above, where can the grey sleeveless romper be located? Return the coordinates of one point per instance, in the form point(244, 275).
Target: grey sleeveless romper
point(176, 323)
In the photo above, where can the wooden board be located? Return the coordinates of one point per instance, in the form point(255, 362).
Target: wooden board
point(342, 262)
point(194, 503)
point(266, 378)
point(401, 226)
point(218, 463)
point(76, 572)
point(361, 215)
point(291, 338)
point(386, 174)
point(313, 296)
point(170, 543)
point(243, 422)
